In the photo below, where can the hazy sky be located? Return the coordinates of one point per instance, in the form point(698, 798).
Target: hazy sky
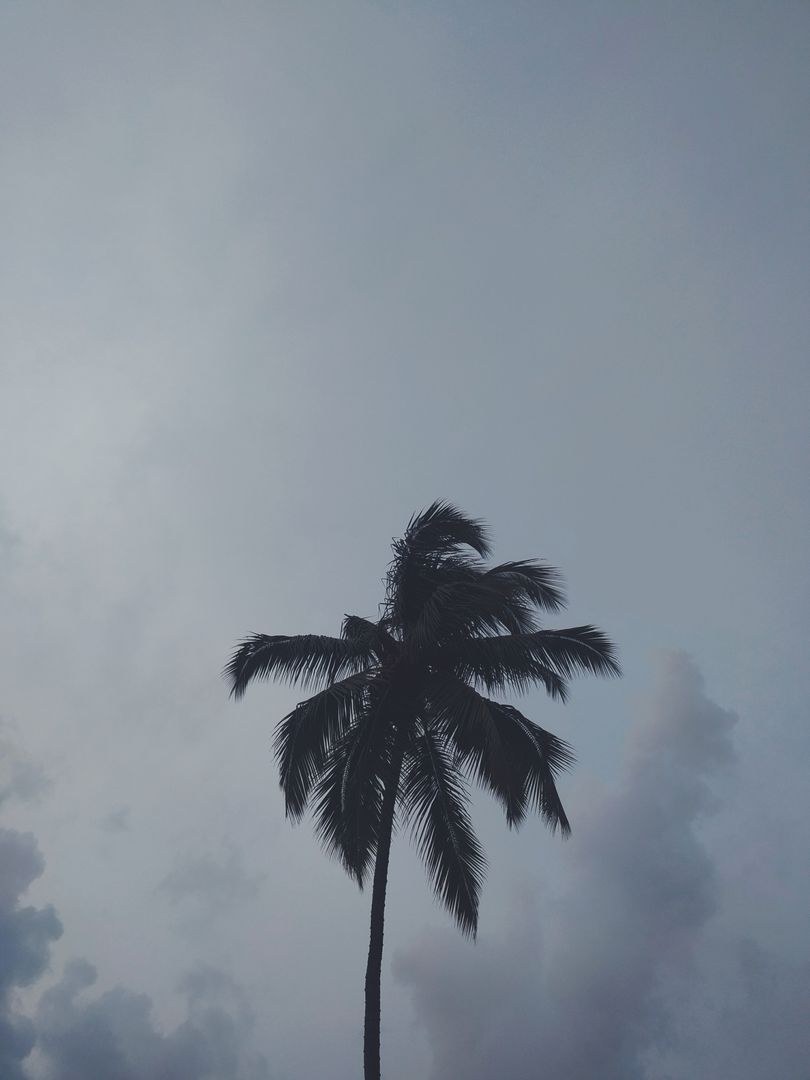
point(274, 276)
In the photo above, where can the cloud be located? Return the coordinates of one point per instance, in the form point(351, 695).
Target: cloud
point(602, 979)
point(115, 1036)
point(745, 1017)
point(26, 934)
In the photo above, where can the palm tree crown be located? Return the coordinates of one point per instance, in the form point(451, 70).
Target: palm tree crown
point(401, 706)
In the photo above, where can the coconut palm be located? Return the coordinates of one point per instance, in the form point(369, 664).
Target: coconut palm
point(400, 721)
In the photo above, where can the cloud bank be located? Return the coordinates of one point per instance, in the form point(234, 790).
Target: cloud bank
point(615, 977)
point(26, 934)
point(114, 1035)
point(73, 1036)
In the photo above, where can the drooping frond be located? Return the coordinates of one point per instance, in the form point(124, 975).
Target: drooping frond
point(304, 737)
point(467, 602)
point(412, 582)
point(442, 528)
point(516, 661)
point(511, 757)
point(534, 581)
point(471, 600)
point(434, 800)
point(467, 723)
point(549, 758)
point(348, 796)
point(577, 650)
point(437, 542)
point(308, 659)
point(498, 667)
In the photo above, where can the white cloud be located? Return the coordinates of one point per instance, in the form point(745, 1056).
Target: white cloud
point(602, 979)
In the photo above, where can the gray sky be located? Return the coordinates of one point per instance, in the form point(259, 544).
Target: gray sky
point(273, 277)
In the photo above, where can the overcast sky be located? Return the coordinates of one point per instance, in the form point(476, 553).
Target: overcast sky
point(276, 275)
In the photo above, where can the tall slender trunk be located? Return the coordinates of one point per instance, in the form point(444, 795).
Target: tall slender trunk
point(371, 1035)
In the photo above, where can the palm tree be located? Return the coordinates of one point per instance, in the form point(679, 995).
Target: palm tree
point(400, 721)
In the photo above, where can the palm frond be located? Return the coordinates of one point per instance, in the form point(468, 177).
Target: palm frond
point(472, 600)
point(442, 528)
point(303, 738)
point(469, 602)
point(579, 649)
point(308, 659)
point(434, 544)
point(516, 661)
point(467, 721)
point(434, 800)
point(543, 757)
point(496, 665)
point(507, 754)
point(532, 580)
point(348, 796)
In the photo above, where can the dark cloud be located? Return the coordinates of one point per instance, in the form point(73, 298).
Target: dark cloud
point(588, 984)
point(115, 1036)
point(26, 934)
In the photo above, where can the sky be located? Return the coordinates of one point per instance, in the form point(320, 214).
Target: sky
point(277, 275)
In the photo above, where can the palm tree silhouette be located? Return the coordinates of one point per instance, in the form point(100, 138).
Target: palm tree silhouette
point(400, 723)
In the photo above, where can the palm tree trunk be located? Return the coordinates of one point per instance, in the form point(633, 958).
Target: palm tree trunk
point(371, 1035)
